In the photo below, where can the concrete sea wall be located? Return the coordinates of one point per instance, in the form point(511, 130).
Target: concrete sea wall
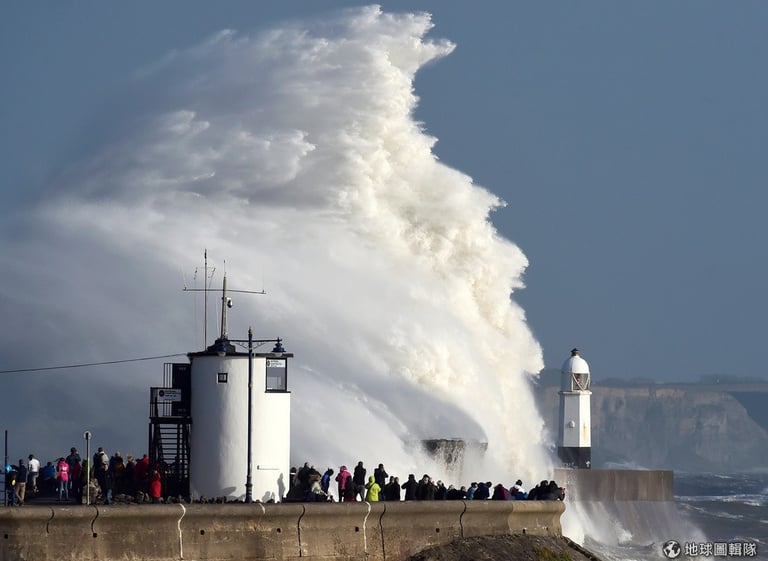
point(382, 531)
point(607, 485)
point(615, 505)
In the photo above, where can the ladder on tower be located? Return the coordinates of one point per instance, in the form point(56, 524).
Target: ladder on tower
point(170, 452)
point(170, 425)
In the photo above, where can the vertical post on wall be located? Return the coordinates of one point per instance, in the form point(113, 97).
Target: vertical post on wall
point(249, 473)
point(5, 465)
point(87, 467)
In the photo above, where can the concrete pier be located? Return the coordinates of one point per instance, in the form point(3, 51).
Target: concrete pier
point(638, 504)
point(256, 532)
point(616, 484)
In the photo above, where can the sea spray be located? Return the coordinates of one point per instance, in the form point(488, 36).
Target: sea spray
point(293, 154)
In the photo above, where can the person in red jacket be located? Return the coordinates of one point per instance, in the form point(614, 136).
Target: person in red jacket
point(155, 487)
point(141, 473)
point(75, 475)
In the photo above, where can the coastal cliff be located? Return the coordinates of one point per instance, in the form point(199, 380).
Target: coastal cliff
point(690, 427)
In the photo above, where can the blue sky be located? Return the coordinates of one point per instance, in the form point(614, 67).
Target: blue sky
point(628, 140)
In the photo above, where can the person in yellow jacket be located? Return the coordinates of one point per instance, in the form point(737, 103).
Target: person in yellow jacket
point(372, 495)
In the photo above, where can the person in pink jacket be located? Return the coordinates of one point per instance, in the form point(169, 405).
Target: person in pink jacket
point(62, 474)
point(344, 478)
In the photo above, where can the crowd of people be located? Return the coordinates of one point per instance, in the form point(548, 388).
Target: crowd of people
point(308, 484)
point(68, 478)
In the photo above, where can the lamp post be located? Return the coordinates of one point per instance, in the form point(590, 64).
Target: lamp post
point(87, 436)
point(249, 473)
point(5, 469)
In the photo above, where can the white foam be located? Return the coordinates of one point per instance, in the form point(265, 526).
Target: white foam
point(294, 155)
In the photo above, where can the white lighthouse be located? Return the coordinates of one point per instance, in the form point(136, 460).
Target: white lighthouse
point(574, 446)
point(241, 419)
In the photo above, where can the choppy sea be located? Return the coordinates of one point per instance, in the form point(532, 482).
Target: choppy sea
point(720, 515)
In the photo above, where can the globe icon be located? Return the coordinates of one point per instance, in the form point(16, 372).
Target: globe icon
point(671, 549)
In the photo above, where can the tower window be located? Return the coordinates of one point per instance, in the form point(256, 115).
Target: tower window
point(277, 375)
point(222, 378)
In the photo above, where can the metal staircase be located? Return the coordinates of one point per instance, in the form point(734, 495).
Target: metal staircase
point(170, 426)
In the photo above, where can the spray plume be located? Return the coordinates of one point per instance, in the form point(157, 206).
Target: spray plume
point(294, 155)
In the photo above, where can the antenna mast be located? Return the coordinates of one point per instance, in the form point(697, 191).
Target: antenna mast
point(226, 301)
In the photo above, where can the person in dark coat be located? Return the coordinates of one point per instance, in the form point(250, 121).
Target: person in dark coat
point(410, 487)
point(73, 457)
point(537, 492)
point(75, 474)
point(20, 489)
point(350, 493)
point(392, 489)
point(84, 483)
point(303, 476)
point(380, 475)
point(440, 491)
point(500, 493)
point(553, 493)
point(454, 494)
point(359, 480)
point(483, 491)
point(425, 491)
point(106, 482)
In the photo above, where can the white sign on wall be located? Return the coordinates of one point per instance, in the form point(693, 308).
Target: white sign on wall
point(169, 394)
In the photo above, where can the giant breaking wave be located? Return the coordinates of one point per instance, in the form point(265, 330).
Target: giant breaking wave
point(294, 155)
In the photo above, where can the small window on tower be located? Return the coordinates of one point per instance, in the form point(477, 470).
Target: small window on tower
point(222, 378)
point(277, 375)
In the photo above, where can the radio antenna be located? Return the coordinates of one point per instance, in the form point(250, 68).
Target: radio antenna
point(226, 301)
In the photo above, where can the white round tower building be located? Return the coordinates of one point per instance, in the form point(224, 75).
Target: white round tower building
point(219, 459)
point(240, 442)
point(220, 426)
point(574, 443)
